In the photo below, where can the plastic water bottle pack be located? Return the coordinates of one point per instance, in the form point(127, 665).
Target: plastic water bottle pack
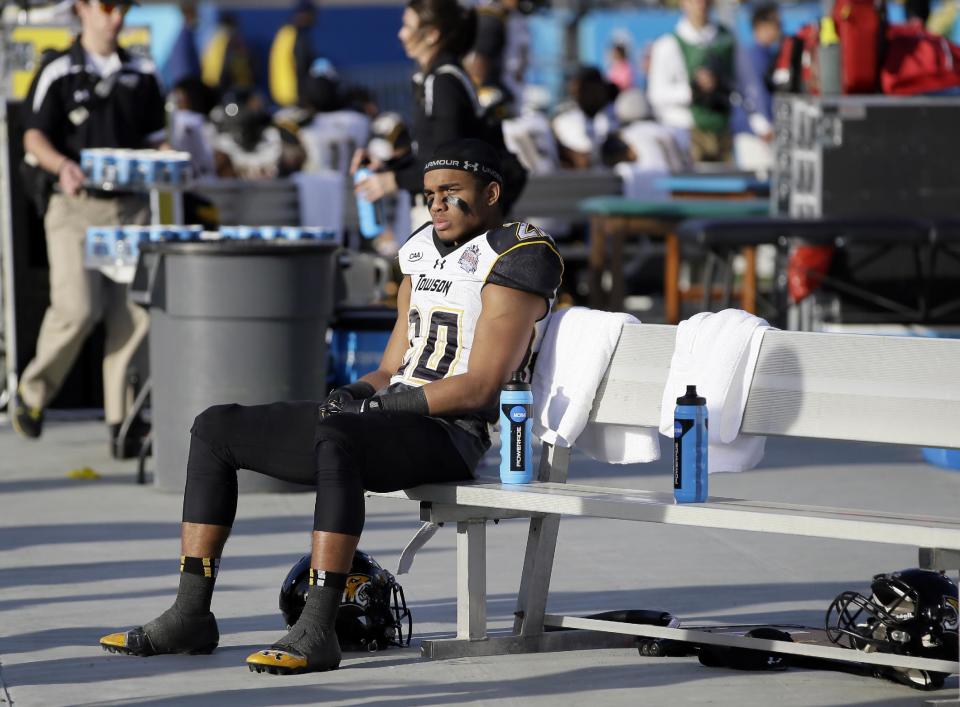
point(277, 233)
point(112, 168)
point(120, 245)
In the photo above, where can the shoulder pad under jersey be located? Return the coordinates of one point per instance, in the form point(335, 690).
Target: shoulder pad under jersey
point(527, 259)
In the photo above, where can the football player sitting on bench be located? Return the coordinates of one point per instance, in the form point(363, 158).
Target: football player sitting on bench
point(472, 308)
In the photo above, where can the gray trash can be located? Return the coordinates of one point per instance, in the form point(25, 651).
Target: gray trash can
point(231, 322)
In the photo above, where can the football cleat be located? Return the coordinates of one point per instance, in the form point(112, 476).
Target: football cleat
point(282, 661)
point(136, 642)
point(132, 642)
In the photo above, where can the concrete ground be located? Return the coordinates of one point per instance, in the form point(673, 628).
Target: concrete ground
point(80, 558)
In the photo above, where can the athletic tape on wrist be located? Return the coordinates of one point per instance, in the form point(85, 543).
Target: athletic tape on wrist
point(414, 401)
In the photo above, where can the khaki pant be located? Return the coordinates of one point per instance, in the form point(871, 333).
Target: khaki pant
point(707, 146)
point(79, 298)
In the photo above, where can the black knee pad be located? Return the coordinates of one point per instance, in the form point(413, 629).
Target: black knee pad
point(336, 465)
point(209, 424)
point(210, 495)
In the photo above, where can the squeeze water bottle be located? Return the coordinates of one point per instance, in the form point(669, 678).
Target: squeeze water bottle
point(516, 413)
point(370, 212)
point(690, 448)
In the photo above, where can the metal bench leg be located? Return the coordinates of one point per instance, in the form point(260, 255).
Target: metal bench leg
point(535, 580)
point(528, 635)
point(541, 547)
point(472, 579)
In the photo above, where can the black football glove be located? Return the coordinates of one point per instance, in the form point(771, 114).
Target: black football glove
point(408, 401)
point(345, 394)
point(342, 405)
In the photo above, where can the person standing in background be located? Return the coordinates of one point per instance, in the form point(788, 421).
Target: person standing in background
point(292, 55)
point(436, 34)
point(227, 65)
point(690, 81)
point(183, 62)
point(752, 116)
point(498, 58)
point(190, 127)
point(620, 73)
point(93, 94)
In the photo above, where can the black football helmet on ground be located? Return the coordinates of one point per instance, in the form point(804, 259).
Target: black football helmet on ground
point(373, 611)
point(911, 612)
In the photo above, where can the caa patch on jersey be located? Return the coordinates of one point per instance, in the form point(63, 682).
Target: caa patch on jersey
point(445, 294)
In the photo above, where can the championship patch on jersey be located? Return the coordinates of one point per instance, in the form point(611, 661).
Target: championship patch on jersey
point(470, 259)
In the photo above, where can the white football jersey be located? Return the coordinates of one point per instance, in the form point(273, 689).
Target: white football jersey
point(445, 293)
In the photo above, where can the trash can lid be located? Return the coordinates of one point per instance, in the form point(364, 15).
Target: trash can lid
point(238, 247)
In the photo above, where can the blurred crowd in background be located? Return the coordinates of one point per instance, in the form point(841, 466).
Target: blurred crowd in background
point(699, 94)
point(694, 95)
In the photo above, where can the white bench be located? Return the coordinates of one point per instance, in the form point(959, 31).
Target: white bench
point(827, 386)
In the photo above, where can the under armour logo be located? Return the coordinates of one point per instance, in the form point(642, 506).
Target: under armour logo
point(471, 166)
point(439, 263)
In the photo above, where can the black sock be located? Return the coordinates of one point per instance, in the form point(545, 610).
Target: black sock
point(198, 575)
point(323, 598)
point(314, 635)
point(188, 624)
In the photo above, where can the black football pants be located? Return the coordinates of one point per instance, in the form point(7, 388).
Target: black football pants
point(341, 456)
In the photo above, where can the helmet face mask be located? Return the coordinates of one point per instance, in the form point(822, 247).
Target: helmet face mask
point(373, 611)
point(911, 612)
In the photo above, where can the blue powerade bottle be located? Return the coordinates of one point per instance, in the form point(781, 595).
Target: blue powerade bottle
point(516, 413)
point(690, 448)
point(370, 213)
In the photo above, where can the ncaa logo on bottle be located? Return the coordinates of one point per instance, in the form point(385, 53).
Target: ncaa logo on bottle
point(518, 414)
point(677, 430)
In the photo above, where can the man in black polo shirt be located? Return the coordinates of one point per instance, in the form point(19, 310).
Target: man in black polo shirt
point(94, 94)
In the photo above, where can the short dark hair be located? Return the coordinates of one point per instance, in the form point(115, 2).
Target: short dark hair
point(765, 12)
point(917, 9)
point(457, 24)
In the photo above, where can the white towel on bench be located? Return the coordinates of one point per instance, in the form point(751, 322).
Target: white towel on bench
point(573, 359)
point(718, 353)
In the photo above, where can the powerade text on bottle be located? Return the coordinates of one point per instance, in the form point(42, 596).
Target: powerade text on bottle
point(690, 448)
point(516, 412)
point(370, 213)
